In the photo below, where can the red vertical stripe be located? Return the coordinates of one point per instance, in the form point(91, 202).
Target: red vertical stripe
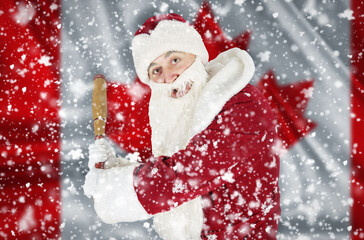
point(29, 122)
point(357, 120)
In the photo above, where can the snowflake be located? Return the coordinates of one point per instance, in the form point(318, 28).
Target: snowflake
point(154, 171)
point(75, 154)
point(45, 60)
point(239, 2)
point(275, 15)
point(53, 7)
point(164, 7)
point(338, 84)
point(347, 14)
point(146, 225)
point(136, 92)
point(228, 177)
point(264, 56)
point(133, 157)
point(79, 88)
point(24, 14)
point(307, 92)
point(179, 187)
point(212, 237)
point(27, 220)
point(202, 149)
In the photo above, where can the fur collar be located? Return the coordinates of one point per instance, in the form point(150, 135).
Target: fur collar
point(229, 73)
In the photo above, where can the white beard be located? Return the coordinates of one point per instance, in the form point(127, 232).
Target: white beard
point(171, 118)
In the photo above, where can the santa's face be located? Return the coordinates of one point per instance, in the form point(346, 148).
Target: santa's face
point(168, 67)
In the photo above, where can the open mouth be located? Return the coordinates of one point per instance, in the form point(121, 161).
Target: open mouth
point(177, 93)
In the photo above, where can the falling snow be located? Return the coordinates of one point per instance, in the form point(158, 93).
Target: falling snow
point(27, 221)
point(264, 56)
point(239, 2)
point(45, 61)
point(348, 14)
point(46, 114)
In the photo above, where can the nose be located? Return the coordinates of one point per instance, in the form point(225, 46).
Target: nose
point(171, 77)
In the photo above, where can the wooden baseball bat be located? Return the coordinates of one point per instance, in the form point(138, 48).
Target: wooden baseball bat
point(99, 105)
point(99, 109)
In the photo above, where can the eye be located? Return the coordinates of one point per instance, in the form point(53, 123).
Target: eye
point(175, 60)
point(156, 71)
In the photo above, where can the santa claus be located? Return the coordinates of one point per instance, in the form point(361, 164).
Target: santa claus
point(214, 175)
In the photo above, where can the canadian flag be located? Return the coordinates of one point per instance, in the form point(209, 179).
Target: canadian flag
point(309, 60)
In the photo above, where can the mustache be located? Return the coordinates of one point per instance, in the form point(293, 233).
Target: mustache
point(181, 84)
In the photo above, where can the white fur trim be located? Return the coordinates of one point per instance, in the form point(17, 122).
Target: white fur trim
point(115, 199)
point(181, 223)
point(230, 72)
point(168, 35)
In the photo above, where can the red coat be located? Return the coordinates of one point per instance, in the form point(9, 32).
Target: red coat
point(230, 164)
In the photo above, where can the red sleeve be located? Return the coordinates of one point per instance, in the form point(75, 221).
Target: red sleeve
point(227, 147)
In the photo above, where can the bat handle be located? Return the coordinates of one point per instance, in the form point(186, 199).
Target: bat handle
point(99, 109)
point(99, 105)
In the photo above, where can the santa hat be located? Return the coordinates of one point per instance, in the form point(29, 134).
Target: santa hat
point(163, 33)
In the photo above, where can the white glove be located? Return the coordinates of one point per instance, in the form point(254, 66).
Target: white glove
point(102, 156)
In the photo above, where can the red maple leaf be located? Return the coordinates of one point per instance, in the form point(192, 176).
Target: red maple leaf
point(289, 103)
point(128, 121)
point(212, 35)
